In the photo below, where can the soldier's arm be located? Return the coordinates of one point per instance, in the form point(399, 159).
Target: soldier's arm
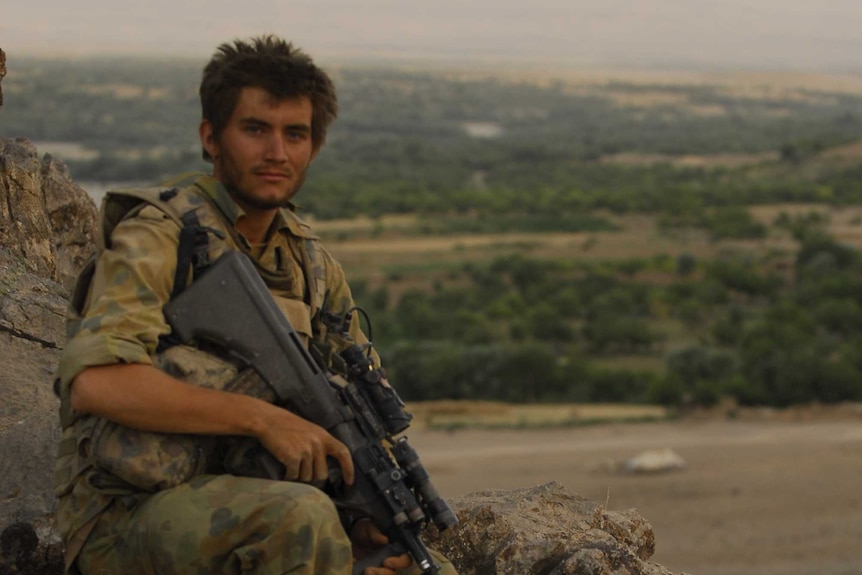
point(122, 320)
point(143, 397)
point(106, 368)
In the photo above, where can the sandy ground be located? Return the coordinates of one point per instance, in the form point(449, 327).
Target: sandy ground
point(757, 497)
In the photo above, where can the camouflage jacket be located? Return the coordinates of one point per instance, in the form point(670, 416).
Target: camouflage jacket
point(116, 317)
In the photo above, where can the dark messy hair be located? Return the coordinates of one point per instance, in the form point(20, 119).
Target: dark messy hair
point(276, 66)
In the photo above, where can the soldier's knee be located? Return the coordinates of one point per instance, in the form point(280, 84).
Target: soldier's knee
point(313, 506)
point(311, 533)
point(296, 529)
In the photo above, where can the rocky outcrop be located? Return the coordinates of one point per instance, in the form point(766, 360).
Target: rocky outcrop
point(46, 233)
point(546, 530)
point(46, 227)
point(47, 221)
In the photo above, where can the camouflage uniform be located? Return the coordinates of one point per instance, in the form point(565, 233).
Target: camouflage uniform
point(135, 502)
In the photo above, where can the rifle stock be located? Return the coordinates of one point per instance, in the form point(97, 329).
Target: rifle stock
point(230, 307)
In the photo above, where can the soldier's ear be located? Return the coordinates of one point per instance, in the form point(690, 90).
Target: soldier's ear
point(206, 131)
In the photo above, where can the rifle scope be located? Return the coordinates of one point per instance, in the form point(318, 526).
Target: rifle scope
point(382, 397)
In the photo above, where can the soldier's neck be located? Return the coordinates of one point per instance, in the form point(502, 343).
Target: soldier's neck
point(254, 225)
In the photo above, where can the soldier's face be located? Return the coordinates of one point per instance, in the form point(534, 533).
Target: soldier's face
point(265, 149)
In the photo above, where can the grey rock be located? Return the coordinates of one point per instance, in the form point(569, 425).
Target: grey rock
point(72, 215)
point(46, 234)
point(545, 530)
point(32, 308)
point(31, 548)
point(29, 429)
point(655, 461)
point(47, 222)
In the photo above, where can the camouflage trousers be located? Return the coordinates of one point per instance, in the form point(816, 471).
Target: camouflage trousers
point(222, 524)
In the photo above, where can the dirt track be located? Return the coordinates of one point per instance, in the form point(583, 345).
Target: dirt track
point(756, 498)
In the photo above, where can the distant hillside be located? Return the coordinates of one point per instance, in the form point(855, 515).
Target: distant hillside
point(411, 140)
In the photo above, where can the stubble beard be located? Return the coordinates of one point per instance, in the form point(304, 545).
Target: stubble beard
point(231, 175)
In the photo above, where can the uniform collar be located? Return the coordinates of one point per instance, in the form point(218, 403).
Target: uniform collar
point(285, 219)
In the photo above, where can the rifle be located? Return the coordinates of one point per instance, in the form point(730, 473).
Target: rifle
point(229, 306)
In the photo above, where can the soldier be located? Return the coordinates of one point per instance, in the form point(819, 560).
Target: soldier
point(141, 485)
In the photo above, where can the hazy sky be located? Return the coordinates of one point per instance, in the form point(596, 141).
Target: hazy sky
point(795, 34)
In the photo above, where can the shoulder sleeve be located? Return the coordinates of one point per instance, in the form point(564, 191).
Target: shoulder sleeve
point(122, 320)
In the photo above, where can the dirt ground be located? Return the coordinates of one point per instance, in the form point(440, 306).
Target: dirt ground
point(765, 496)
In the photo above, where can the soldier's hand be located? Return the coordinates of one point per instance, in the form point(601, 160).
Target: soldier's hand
point(367, 539)
point(302, 447)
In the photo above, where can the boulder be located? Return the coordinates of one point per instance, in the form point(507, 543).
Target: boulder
point(655, 461)
point(545, 530)
point(47, 222)
point(46, 233)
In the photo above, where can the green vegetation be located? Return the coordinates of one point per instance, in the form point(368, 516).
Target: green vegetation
point(410, 142)
point(525, 330)
point(770, 312)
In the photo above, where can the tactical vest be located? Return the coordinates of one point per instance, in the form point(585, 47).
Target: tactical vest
point(204, 236)
point(97, 459)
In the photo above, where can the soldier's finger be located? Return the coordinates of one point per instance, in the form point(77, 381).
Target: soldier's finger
point(321, 468)
point(389, 568)
point(306, 470)
point(291, 470)
point(375, 535)
point(366, 534)
point(340, 452)
point(398, 562)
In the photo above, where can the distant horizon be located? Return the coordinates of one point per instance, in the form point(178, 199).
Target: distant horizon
point(446, 62)
point(708, 35)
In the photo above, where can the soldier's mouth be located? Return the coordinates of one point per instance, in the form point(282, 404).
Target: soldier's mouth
point(270, 176)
